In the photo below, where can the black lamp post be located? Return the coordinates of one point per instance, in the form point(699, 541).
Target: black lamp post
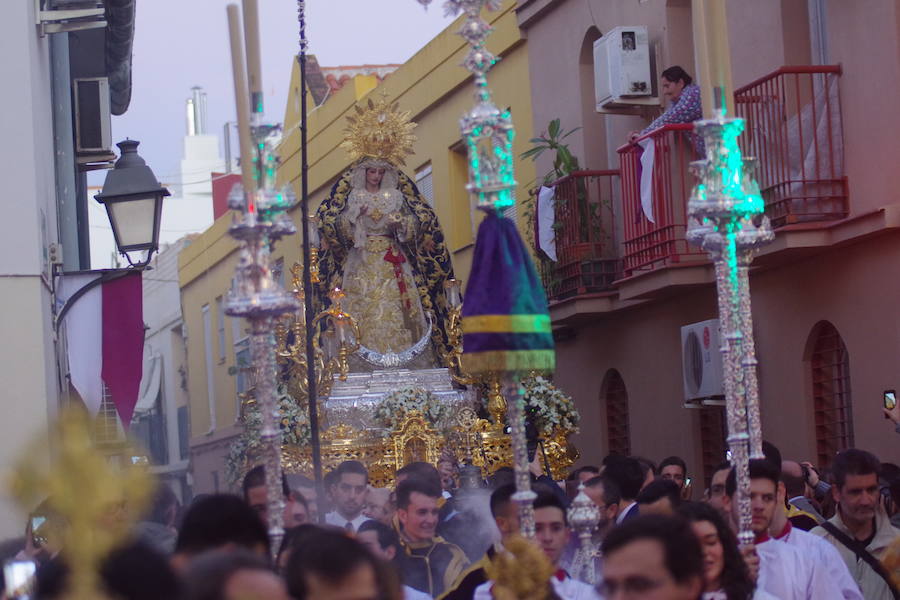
point(133, 200)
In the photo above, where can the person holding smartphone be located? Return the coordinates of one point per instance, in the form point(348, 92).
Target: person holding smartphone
point(892, 409)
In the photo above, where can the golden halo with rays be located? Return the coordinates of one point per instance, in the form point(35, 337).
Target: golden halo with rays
point(380, 131)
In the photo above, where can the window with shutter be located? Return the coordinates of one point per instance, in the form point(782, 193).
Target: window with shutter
point(829, 364)
point(615, 396)
point(425, 184)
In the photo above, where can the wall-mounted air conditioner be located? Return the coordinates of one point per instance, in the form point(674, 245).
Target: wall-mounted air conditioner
point(622, 73)
point(701, 360)
point(92, 117)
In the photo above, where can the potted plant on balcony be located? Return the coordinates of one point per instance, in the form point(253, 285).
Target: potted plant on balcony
point(564, 164)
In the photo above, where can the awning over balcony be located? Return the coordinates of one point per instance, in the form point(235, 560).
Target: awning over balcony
point(119, 40)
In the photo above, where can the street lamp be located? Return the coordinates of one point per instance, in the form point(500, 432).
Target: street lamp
point(133, 200)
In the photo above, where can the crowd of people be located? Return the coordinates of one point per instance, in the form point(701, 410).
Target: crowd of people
point(829, 533)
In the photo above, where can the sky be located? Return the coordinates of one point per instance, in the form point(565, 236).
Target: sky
point(182, 43)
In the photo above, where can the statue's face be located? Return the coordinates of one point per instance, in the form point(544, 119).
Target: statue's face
point(374, 176)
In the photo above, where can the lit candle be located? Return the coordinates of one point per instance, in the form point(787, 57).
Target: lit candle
point(254, 60)
point(313, 231)
point(453, 293)
point(340, 325)
point(241, 97)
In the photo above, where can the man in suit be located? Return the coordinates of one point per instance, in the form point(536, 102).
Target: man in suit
point(626, 473)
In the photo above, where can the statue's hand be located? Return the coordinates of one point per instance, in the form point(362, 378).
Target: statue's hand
point(428, 244)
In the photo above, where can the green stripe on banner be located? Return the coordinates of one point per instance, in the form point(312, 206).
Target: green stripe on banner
point(506, 324)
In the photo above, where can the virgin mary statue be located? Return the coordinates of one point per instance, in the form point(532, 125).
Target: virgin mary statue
point(383, 246)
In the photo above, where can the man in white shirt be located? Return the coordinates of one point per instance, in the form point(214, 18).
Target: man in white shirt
point(551, 534)
point(809, 545)
point(348, 493)
point(784, 571)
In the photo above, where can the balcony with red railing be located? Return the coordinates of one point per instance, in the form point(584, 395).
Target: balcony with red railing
point(655, 193)
point(587, 261)
point(793, 127)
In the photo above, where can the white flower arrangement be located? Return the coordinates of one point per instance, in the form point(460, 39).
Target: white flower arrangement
point(292, 420)
point(392, 410)
point(552, 408)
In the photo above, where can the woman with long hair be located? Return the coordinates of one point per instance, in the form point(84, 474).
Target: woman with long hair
point(725, 573)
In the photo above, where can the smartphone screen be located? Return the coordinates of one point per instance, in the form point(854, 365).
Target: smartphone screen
point(19, 576)
point(890, 399)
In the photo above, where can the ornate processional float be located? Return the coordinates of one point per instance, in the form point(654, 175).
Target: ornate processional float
point(371, 366)
point(387, 336)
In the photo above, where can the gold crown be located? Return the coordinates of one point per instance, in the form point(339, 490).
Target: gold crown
point(380, 131)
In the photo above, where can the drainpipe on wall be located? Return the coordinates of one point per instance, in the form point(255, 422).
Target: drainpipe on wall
point(818, 31)
point(64, 153)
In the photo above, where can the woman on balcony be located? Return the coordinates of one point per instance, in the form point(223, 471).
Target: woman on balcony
point(684, 95)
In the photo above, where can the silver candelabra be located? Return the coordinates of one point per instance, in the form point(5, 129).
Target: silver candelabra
point(259, 221)
point(584, 517)
point(489, 133)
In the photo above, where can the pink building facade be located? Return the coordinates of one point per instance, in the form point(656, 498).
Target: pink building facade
point(817, 82)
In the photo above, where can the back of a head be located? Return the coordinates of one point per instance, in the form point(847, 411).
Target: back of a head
point(218, 520)
point(647, 466)
point(575, 475)
point(387, 535)
point(792, 477)
point(681, 549)
point(132, 572)
point(424, 486)
point(659, 489)
point(256, 477)
point(854, 462)
point(138, 572)
point(501, 477)
point(208, 574)
point(501, 499)
point(611, 492)
point(626, 473)
point(329, 557)
point(772, 454)
point(420, 470)
point(297, 536)
point(760, 468)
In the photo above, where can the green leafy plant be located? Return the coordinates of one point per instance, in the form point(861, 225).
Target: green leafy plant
point(564, 162)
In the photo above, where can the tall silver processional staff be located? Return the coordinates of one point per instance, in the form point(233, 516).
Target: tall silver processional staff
point(727, 219)
point(508, 334)
point(259, 220)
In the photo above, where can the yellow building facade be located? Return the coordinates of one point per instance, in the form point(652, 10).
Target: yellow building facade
point(437, 91)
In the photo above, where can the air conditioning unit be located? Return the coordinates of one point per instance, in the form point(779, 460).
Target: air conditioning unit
point(622, 74)
point(92, 116)
point(701, 360)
